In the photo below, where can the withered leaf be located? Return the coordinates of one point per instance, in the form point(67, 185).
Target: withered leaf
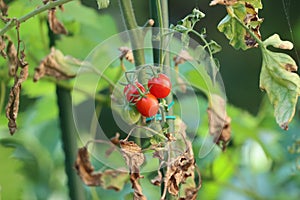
point(253, 21)
point(179, 170)
point(132, 154)
point(2, 46)
point(3, 8)
point(126, 53)
point(57, 65)
point(109, 179)
point(219, 123)
point(85, 170)
point(12, 108)
point(12, 58)
point(182, 57)
point(55, 25)
point(134, 158)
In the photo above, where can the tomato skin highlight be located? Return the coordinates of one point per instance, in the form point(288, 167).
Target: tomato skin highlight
point(148, 106)
point(160, 86)
point(132, 93)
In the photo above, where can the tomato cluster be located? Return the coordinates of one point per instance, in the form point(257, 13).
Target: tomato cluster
point(146, 101)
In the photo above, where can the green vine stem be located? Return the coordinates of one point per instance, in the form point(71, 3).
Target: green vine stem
point(69, 140)
point(136, 37)
point(159, 12)
point(68, 135)
point(2, 95)
point(13, 22)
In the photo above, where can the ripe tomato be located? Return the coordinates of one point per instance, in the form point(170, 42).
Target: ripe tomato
point(148, 105)
point(160, 86)
point(132, 93)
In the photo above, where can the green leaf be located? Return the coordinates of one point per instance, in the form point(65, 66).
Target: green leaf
point(232, 29)
point(214, 47)
point(113, 179)
point(255, 3)
point(280, 83)
point(102, 4)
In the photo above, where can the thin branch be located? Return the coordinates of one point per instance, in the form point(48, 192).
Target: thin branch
point(2, 95)
point(14, 21)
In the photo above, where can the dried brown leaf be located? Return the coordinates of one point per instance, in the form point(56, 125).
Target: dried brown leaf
point(219, 123)
point(126, 53)
point(56, 65)
point(3, 8)
point(109, 179)
point(182, 57)
point(12, 108)
point(179, 170)
point(55, 25)
point(134, 158)
point(12, 58)
point(2, 46)
point(85, 170)
point(253, 21)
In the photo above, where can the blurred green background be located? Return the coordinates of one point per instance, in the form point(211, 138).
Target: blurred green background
point(262, 161)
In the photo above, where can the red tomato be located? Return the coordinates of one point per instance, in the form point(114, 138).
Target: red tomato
point(132, 93)
point(160, 86)
point(148, 105)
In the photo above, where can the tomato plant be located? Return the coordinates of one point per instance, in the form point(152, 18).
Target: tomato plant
point(132, 92)
point(148, 105)
point(160, 86)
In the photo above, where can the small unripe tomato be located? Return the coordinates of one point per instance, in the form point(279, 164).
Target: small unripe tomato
point(132, 93)
point(148, 105)
point(160, 86)
point(130, 115)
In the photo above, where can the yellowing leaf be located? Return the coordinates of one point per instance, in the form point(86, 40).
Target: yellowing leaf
point(280, 83)
point(103, 3)
point(234, 31)
point(276, 42)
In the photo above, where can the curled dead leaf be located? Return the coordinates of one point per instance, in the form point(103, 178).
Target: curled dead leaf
point(56, 65)
point(55, 25)
point(109, 179)
point(126, 53)
point(179, 170)
point(134, 158)
point(12, 107)
point(85, 170)
point(3, 8)
point(12, 58)
point(219, 128)
point(2, 46)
